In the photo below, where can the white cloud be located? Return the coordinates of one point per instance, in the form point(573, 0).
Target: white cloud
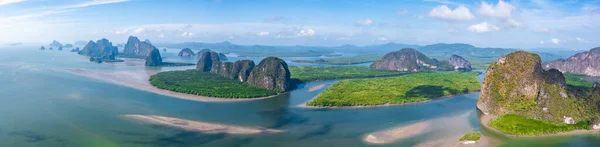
point(91, 3)
point(541, 42)
point(402, 12)
point(124, 31)
point(382, 39)
point(513, 23)
point(344, 38)
point(306, 32)
point(6, 2)
point(556, 41)
point(542, 30)
point(262, 34)
point(461, 13)
point(483, 27)
point(365, 22)
point(139, 30)
point(581, 40)
point(161, 36)
point(187, 34)
point(501, 10)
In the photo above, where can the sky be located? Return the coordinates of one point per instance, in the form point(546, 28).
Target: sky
point(569, 24)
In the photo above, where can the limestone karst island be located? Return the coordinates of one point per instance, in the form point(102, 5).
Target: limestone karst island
point(301, 73)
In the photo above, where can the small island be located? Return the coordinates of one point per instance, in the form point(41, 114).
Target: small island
point(410, 88)
point(520, 98)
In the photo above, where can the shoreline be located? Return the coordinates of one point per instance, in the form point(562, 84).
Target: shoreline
point(485, 120)
point(198, 126)
point(139, 79)
point(304, 105)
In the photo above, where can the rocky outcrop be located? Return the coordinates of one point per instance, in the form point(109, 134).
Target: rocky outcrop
point(101, 48)
point(222, 56)
point(136, 48)
point(55, 44)
point(406, 59)
point(60, 48)
point(68, 46)
point(209, 62)
point(42, 48)
point(517, 84)
point(459, 63)
point(75, 50)
point(153, 58)
point(187, 52)
point(271, 73)
point(586, 63)
point(241, 69)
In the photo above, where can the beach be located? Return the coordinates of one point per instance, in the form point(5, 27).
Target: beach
point(197, 126)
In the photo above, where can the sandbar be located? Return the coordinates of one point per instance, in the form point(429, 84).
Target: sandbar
point(315, 88)
point(196, 126)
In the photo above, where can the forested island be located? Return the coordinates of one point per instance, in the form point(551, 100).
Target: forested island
point(520, 98)
point(308, 74)
point(416, 87)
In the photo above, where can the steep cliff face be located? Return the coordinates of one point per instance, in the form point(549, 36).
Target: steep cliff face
point(154, 58)
point(209, 62)
point(137, 48)
point(406, 59)
point(586, 63)
point(517, 84)
point(241, 70)
point(271, 73)
point(459, 63)
point(186, 52)
point(222, 56)
point(101, 48)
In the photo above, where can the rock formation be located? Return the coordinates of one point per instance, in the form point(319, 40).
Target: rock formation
point(517, 84)
point(459, 63)
point(68, 46)
point(55, 44)
point(271, 73)
point(209, 62)
point(222, 56)
point(241, 69)
point(101, 48)
point(186, 52)
point(153, 58)
point(586, 63)
point(42, 48)
point(75, 50)
point(60, 48)
point(136, 48)
point(406, 59)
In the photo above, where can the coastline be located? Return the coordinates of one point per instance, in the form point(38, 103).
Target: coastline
point(139, 80)
point(485, 121)
point(304, 105)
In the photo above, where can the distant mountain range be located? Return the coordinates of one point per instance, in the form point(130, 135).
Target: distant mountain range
point(440, 50)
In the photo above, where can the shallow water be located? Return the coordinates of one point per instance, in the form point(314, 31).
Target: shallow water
point(43, 105)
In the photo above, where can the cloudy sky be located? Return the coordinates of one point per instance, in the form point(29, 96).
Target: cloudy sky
point(572, 24)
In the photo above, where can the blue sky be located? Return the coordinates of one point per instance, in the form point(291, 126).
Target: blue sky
point(572, 24)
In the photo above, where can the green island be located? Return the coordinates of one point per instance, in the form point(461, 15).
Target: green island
point(206, 84)
point(358, 59)
point(471, 136)
point(307, 74)
point(415, 87)
point(519, 125)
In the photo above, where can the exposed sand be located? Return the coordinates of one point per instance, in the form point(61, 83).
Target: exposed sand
point(197, 126)
point(315, 88)
point(138, 79)
point(391, 135)
point(485, 121)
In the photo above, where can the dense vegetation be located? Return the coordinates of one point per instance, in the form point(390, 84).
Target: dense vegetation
point(575, 80)
point(471, 136)
point(397, 90)
point(358, 59)
point(307, 74)
point(176, 64)
point(206, 84)
point(519, 125)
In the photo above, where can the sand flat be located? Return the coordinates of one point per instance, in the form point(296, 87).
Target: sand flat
point(197, 126)
point(139, 79)
point(391, 135)
point(315, 88)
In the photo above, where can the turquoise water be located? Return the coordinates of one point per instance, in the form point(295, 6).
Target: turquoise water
point(43, 105)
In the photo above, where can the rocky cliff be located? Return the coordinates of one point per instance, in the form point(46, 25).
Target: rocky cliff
point(75, 50)
point(586, 63)
point(153, 58)
point(55, 44)
point(241, 69)
point(222, 56)
point(517, 84)
point(271, 73)
point(406, 59)
point(101, 48)
point(209, 62)
point(137, 48)
point(459, 63)
point(187, 52)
